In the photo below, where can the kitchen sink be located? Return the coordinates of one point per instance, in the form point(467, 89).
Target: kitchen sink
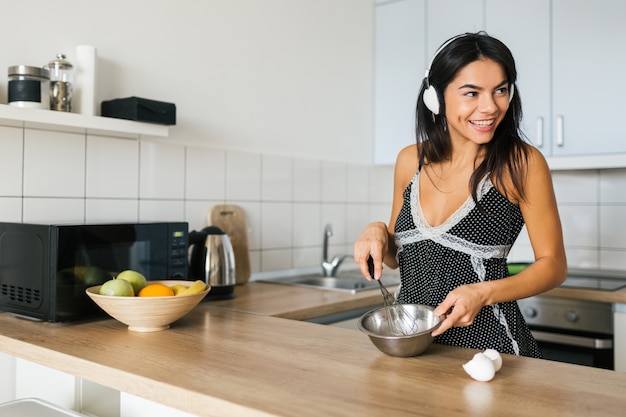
point(349, 281)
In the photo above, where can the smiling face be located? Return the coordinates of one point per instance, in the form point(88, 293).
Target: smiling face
point(476, 101)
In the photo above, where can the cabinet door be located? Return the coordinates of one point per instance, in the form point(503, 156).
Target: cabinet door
point(448, 18)
point(398, 72)
point(588, 76)
point(511, 22)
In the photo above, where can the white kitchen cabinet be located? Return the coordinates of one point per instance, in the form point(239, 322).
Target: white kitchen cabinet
point(448, 18)
point(619, 323)
point(399, 63)
point(569, 59)
point(7, 377)
point(587, 82)
point(525, 28)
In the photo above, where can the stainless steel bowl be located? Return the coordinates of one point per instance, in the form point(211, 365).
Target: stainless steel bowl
point(374, 324)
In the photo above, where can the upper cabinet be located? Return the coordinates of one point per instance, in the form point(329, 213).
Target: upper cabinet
point(398, 72)
point(524, 26)
point(567, 52)
point(588, 76)
point(448, 18)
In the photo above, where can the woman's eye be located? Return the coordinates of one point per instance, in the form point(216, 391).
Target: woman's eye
point(471, 94)
point(502, 90)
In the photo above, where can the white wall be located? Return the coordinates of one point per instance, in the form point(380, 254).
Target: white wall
point(274, 113)
point(288, 77)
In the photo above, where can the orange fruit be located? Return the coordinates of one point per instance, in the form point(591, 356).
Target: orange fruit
point(155, 290)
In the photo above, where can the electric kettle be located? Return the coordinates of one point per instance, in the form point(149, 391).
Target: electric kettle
point(211, 259)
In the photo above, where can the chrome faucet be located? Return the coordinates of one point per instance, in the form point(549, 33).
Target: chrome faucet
point(329, 268)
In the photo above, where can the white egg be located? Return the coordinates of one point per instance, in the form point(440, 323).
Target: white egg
point(481, 368)
point(495, 356)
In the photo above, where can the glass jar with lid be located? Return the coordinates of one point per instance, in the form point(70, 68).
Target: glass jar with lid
point(61, 83)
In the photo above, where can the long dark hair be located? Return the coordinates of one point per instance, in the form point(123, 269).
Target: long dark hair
point(507, 152)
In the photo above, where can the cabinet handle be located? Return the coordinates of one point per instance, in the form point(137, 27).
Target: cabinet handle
point(559, 131)
point(539, 132)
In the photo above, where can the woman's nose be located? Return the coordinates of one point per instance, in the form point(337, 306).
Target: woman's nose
point(487, 103)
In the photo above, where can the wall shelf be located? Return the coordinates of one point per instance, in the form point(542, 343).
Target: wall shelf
point(78, 123)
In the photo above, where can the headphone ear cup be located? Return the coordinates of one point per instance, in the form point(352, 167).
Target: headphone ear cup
point(511, 92)
point(431, 99)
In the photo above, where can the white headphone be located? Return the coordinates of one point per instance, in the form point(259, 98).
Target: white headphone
point(431, 95)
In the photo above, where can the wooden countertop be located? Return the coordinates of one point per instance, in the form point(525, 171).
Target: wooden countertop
point(219, 362)
point(611, 297)
point(303, 303)
point(296, 303)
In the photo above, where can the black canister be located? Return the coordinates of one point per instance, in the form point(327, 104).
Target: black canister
point(29, 87)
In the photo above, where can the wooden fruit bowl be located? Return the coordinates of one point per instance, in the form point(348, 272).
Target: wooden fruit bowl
point(148, 314)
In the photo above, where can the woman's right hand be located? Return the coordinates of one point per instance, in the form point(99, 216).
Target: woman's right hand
point(374, 242)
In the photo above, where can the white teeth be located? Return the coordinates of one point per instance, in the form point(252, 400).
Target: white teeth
point(481, 123)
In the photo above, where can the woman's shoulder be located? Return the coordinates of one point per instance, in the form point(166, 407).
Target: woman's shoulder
point(408, 158)
point(407, 163)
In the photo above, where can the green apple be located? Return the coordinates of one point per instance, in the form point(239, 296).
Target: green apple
point(95, 276)
point(118, 287)
point(137, 280)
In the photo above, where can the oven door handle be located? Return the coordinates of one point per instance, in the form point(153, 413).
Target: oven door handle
point(570, 340)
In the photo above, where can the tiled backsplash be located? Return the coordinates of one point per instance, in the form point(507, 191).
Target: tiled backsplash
point(67, 177)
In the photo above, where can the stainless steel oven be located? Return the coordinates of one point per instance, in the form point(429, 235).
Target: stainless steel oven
point(576, 331)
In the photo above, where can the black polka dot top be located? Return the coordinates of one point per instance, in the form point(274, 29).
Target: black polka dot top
point(470, 246)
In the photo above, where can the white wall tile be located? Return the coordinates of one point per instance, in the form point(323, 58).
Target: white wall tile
point(613, 259)
point(54, 164)
point(162, 170)
point(111, 210)
point(358, 180)
point(307, 226)
point(205, 174)
point(11, 209)
point(582, 258)
point(613, 186)
point(54, 210)
point(276, 225)
point(276, 259)
point(334, 182)
point(379, 212)
point(335, 214)
point(357, 219)
point(381, 184)
point(307, 257)
point(196, 213)
point(307, 180)
point(576, 186)
point(112, 169)
point(255, 261)
point(11, 148)
point(161, 210)
point(580, 225)
point(276, 178)
point(243, 176)
point(613, 226)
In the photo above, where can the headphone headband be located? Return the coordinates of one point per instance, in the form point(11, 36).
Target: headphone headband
point(431, 95)
point(438, 51)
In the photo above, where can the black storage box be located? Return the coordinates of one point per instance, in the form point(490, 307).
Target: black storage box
point(140, 109)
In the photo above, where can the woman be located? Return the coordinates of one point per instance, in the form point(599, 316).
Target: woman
point(462, 194)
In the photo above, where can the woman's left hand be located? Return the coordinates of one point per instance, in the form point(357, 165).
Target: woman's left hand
point(459, 308)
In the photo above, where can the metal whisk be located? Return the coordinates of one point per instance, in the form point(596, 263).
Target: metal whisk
point(401, 322)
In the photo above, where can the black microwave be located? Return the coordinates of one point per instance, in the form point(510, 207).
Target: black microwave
point(45, 269)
